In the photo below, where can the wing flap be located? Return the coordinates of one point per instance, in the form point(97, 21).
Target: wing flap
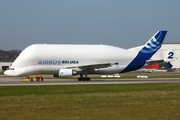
point(91, 66)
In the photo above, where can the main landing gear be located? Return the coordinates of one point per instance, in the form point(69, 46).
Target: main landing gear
point(81, 78)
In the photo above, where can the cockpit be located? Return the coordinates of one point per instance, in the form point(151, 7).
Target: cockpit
point(11, 69)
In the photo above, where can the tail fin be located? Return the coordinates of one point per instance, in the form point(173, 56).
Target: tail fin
point(154, 44)
point(169, 57)
point(147, 51)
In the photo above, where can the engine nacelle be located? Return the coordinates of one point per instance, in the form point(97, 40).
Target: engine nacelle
point(66, 73)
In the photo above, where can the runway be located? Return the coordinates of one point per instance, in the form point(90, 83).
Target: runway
point(9, 81)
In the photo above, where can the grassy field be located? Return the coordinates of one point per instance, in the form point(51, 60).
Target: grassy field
point(91, 102)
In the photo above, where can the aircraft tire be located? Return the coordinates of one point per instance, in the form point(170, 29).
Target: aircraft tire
point(88, 79)
point(79, 79)
point(84, 79)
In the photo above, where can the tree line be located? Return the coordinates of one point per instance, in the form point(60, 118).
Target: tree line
point(9, 56)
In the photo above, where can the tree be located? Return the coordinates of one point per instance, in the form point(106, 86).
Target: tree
point(9, 56)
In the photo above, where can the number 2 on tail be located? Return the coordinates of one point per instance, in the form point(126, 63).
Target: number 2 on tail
point(170, 55)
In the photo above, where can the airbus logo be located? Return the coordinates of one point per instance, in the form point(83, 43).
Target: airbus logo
point(49, 62)
point(57, 62)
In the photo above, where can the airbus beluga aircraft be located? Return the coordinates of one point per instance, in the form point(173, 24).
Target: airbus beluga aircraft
point(66, 60)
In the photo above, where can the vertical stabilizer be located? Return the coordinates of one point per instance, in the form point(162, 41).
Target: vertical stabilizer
point(147, 51)
point(154, 44)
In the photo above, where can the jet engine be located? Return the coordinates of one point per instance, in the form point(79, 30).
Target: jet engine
point(65, 73)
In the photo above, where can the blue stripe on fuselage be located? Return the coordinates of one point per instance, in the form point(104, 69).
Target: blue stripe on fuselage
point(138, 62)
point(149, 49)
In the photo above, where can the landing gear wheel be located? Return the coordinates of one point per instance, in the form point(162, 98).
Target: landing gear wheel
point(79, 79)
point(84, 79)
point(88, 79)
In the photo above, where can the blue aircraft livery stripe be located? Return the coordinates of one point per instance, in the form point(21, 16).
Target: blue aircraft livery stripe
point(149, 49)
point(154, 43)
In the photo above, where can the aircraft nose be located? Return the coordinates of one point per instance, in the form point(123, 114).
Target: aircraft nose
point(12, 73)
point(6, 72)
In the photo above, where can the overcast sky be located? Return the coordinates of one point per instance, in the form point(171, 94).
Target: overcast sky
point(123, 23)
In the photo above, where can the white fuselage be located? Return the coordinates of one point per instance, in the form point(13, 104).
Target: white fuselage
point(64, 60)
point(50, 58)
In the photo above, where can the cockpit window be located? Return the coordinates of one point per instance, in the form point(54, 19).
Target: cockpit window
point(11, 68)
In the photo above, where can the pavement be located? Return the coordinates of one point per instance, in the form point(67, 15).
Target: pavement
point(16, 81)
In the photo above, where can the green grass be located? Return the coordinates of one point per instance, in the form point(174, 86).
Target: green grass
point(91, 102)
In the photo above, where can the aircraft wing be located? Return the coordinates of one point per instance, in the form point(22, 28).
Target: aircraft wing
point(92, 66)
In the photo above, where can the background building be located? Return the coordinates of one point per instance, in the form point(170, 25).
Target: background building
point(5, 65)
point(176, 48)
